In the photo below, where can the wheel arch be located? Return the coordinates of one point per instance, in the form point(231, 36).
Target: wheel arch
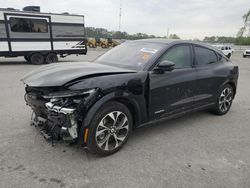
point(233, 85)
point(132, 107)
point(129, 102)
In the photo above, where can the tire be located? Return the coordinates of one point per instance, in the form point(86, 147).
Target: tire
point(244, 56)
point(229, 55)
point(224, 100)
point(103, 131)
point(51, 58)
point(37, 59)
point(27, 58)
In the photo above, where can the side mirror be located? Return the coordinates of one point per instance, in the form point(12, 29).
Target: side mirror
point(164, 66)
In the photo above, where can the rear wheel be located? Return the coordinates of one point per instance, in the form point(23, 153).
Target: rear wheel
point(244, 56)
point(109, 129)
point(51, 58)
point(224, 101)
point(37, 59)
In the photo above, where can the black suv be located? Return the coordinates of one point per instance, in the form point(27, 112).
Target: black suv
point(99, 103)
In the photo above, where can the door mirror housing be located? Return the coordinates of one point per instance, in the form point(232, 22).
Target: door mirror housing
point(164, 66)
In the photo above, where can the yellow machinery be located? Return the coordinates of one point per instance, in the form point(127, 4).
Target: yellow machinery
point(112, 42)
point(102, 42)
point(106, 42)
point(98, 41)
point(92, 43)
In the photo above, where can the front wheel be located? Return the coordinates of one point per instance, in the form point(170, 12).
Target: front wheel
point(224, 101)
point(110, 129)
point(104, 46)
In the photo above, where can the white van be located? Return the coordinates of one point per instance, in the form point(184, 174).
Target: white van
point(226, 49)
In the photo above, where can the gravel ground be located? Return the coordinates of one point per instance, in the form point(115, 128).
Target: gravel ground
point(198, 150)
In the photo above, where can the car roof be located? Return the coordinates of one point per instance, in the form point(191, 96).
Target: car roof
point(178, 41)
point(158, 40)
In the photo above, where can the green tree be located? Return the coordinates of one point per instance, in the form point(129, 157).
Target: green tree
point(246, 19)
point(174, 36)
point(104, 33)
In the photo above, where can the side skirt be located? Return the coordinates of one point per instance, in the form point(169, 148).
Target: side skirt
point(176, 115)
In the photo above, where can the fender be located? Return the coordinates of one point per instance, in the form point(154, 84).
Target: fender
point(231, 81)
point(106, 98)
point(140, 111)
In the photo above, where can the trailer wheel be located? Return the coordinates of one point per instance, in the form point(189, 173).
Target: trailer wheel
point(27, 58)
point(51, 58)
point(37, 59)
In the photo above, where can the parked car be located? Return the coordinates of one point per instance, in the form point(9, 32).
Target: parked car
point(246, 53)
point(227, 50)
point(137, 82)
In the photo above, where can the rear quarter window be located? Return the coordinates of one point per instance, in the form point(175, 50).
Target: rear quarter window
point(221, 58)
point(204, 56)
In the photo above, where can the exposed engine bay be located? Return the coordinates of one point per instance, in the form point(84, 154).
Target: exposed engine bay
point(59, 115)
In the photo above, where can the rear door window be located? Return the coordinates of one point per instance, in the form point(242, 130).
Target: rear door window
point(204, 56)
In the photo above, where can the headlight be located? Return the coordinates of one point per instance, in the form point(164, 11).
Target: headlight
point(68, 93)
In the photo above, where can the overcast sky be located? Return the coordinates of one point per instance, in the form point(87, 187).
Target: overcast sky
point(187, 18)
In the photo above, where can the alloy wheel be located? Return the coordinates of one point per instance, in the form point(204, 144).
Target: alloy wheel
point(112, 130)
point(225, 99)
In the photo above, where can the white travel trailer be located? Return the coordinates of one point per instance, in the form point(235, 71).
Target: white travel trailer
point(40, 37)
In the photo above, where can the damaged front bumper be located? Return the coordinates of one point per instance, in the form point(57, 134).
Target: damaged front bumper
point(69, 131)
point(59, 118)
point(59, 123)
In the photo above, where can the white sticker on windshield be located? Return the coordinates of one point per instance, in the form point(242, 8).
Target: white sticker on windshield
point(149, 50)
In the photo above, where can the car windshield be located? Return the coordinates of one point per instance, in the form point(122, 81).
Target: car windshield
point(131, 55)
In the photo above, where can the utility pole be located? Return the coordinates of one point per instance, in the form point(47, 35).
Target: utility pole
point(168, 33)
point(120, 15)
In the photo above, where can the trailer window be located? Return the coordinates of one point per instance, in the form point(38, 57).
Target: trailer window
point(28, 25)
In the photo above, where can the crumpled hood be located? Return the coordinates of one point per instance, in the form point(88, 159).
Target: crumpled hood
point(61, 73)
